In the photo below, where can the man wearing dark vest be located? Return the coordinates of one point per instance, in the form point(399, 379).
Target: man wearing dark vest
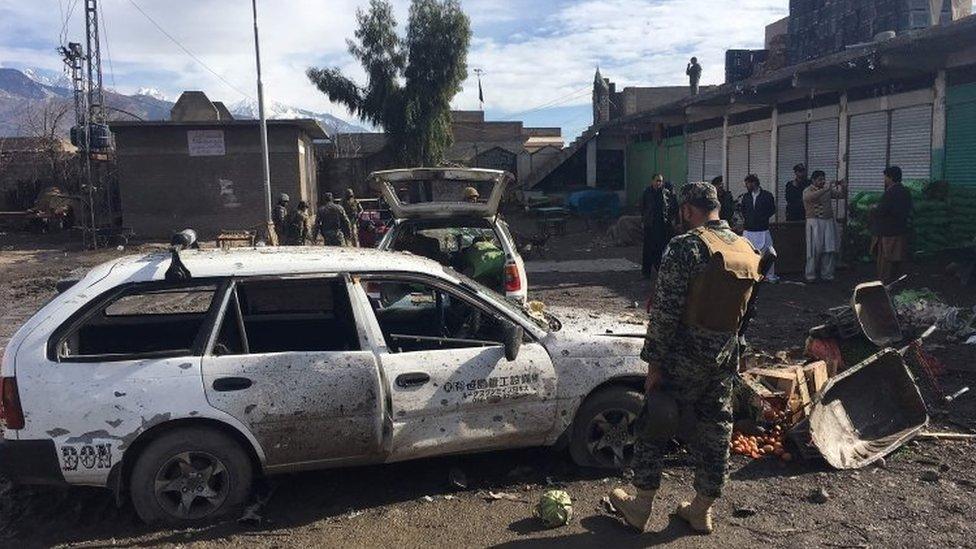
point(706, 279)
point(658, 210)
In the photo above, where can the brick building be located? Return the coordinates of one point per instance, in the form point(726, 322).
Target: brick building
point(478, 143)
point(203, 169)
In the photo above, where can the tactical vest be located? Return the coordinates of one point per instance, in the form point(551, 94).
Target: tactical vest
point(718, 297)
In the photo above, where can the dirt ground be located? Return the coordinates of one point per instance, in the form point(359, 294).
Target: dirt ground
point(924, 495)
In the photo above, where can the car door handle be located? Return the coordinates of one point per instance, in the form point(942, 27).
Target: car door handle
point(226, 384)
point(416, 379)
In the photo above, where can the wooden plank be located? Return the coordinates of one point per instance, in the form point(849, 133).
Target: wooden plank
point(816, 377)
point(801, 384)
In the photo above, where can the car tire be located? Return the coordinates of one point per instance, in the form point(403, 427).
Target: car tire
point(190, 476)
point(603, 431)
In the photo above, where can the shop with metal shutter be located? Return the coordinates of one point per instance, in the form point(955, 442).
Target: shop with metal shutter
point(910, 142)
point(760, 156)
point(889, 131)
point(867, 154)
point(714, 148)
point(696, 160)
point(960, 145)
point(738, 160)
point(704, 153)
point(822, 142)
point(749, 153)
point(791, 149)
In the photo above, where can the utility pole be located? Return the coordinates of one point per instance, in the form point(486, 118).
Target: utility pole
point(269, 227)
point(89, 133)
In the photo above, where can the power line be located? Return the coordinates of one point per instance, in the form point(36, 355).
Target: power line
point(188, 52)
point(108, 53)
point(559, 101)
point(63, 35)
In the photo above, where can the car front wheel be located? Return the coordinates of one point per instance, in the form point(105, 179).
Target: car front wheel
point(189, 476)
point(603, 432)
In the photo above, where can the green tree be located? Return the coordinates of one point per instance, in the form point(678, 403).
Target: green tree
point(411, 80)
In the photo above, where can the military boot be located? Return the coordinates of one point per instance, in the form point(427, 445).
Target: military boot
point(636, 510)
point(698, 513)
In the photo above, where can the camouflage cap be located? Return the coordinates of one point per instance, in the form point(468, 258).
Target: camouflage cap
point(699, 194)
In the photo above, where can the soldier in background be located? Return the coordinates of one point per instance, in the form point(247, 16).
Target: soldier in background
point(302, 229)
point(706, 279)
point(279, 216)
point(332, 223)
point(353, 209)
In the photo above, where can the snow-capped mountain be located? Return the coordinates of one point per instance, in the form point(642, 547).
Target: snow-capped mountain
point(48, 77)
point(21, 90)
point(152, 92)
point(248, 108)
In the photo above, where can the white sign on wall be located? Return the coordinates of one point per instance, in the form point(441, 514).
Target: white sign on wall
point(205, 142)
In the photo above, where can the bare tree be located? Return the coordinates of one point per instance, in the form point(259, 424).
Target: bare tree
point(47, 122)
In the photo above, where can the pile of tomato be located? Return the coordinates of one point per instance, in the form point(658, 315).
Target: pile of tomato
point(767, 444)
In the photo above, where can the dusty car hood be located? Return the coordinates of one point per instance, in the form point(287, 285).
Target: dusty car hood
point(441, 191)
point(587, 333)
point(632, 322)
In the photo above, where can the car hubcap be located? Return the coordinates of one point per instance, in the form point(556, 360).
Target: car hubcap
point(191, 485)
point(611, 438)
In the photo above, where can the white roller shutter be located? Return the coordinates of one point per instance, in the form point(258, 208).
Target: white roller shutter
point(738, 161)
point(822, 142)
point(791, 149)
point(911, 141)
point(760, 157)
point(713, 159)
point(867, 151)
point(696, 160)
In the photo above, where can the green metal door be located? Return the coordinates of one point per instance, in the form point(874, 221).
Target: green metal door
point(641, 165)
point(676, 168)
point(960, 145)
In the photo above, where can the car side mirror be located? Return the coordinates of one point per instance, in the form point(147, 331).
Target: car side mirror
point(512, 334)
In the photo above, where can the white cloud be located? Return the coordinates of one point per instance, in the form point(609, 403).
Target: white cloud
point(533, 51)
point(635, 42)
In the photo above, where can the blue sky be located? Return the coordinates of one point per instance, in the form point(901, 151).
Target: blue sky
point(534, 53)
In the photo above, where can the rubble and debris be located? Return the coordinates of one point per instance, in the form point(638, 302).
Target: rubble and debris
point(948, 436)
point(496, 496)
point(744, 512)
point(457, 478)
point(930, 475)
point(627, 231)
point(820, 495)
point(867, 412)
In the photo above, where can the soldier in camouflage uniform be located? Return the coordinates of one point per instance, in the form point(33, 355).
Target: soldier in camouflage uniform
point(333, 223)
point(279, 215)
point(704, 284)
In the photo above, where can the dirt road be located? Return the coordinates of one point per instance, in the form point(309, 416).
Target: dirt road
point(923, 496)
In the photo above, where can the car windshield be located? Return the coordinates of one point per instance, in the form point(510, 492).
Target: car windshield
point(500, 301)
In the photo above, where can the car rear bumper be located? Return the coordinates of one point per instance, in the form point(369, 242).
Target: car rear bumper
point(30, 462)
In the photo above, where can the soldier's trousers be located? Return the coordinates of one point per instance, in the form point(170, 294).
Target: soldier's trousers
point(706, 394)
point(333, 238)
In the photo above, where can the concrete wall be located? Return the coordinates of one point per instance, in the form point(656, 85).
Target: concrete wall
point(164, 189)
point(644, 99)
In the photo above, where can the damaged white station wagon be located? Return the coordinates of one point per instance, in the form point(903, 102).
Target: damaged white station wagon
point(176, 378)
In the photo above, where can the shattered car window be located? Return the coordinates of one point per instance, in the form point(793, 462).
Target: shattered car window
point(498, 300)
point(164, 302)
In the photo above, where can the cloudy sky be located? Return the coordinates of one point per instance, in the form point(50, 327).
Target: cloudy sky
point(538, 56)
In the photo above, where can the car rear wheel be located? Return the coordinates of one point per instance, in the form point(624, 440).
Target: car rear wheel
point(190, 476)
point(603, 432)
